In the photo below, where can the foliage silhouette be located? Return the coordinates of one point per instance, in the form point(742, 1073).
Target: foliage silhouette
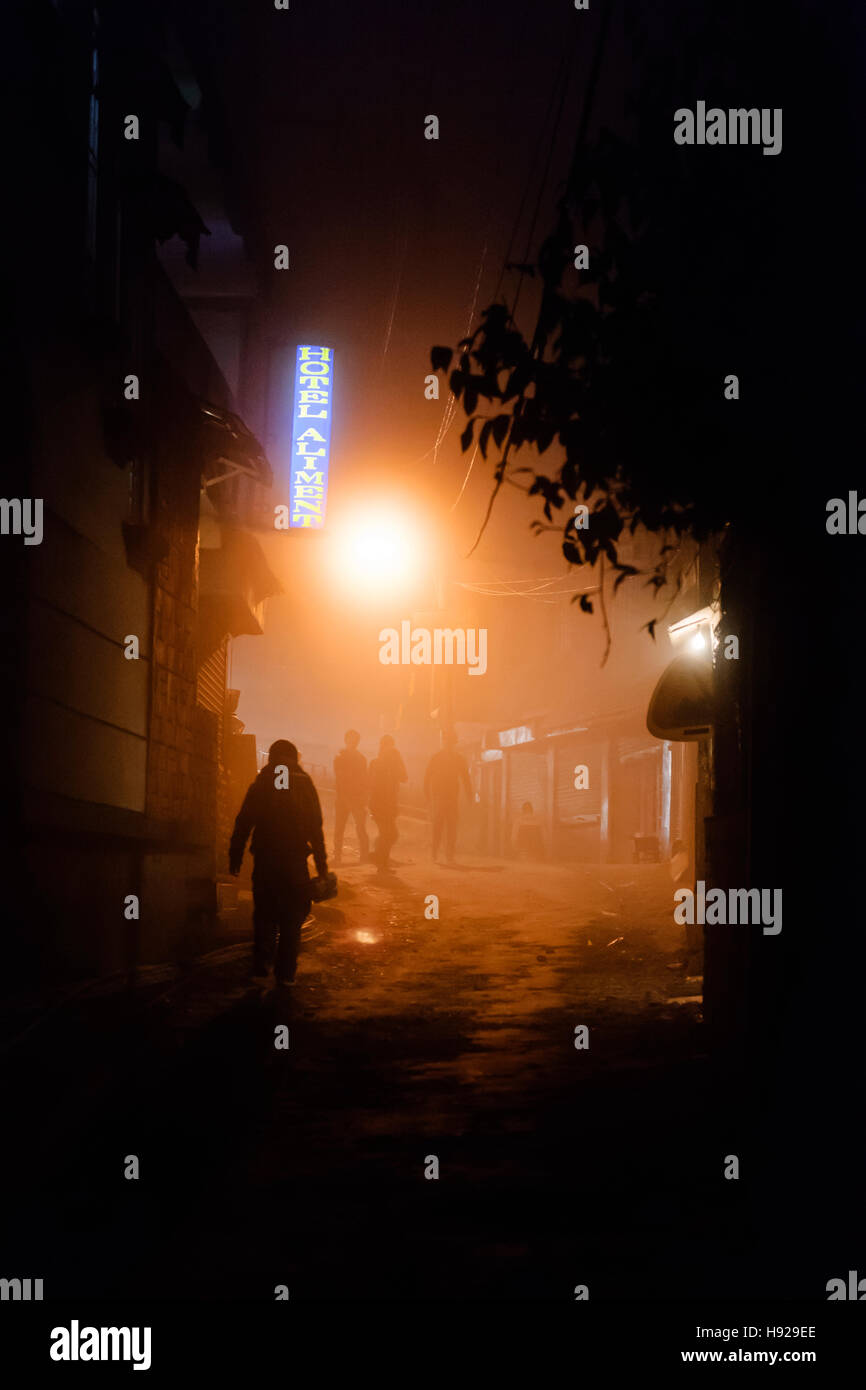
point(623, 379)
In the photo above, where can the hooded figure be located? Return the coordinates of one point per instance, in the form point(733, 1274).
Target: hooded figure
point(282, 811)
point(350, 772)
point(446, 773)
point(386, 773)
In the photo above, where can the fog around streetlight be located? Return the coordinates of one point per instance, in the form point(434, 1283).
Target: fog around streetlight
point(379, 550)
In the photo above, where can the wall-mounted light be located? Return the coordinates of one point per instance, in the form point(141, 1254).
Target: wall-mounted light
point(695, 633)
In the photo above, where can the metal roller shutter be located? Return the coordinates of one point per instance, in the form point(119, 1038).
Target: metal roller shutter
point(570, 801)
point(637, 788)
point(627, 746)
point(526, 778)
point(211, 683)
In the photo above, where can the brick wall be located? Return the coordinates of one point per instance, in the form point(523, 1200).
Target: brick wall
point(179, 747)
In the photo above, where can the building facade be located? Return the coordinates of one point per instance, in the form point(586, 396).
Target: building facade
point(117, 743)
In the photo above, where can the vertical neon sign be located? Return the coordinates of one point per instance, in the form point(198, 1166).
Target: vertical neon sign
point(311, 435)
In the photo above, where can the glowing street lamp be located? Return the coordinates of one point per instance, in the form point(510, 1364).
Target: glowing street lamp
point(378, 551)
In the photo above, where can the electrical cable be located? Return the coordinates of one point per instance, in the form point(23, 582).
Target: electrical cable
point(465, 478)
point(451, 403)
point(536, 595)
point(583, 126)
point(397, 282)
point(561, 78)
point(565, 83)
point(529, 176)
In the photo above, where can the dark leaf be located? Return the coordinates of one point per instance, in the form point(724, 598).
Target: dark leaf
point(484, 437)
point(440, 358)
point(500, 428)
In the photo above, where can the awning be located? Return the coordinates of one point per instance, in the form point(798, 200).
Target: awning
point(234, 579)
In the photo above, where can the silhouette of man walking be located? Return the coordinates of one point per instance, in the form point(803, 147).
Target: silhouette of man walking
point(282, 810)
point(387, 771)
point(446, 773)
point(350, 770)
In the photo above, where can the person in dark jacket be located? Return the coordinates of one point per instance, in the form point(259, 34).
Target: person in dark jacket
point(446, 774)
point(350, 771)
point(282, 811)
point(386, 773)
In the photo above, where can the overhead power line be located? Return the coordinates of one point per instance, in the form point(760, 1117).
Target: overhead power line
point(451, 403)
point(583, 127)
point(542, 594)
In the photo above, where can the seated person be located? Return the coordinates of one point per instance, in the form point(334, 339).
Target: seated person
point(527, 836)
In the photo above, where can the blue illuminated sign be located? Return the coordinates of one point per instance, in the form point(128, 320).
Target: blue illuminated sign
point(311, 435)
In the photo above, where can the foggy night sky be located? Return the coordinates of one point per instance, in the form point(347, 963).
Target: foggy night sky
point(325, 119)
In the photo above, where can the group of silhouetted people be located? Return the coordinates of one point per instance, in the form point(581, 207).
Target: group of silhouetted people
point(377, 787)
point(282, 812)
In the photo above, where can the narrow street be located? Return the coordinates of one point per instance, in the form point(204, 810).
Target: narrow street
point(465, 440)
point(408, 1037)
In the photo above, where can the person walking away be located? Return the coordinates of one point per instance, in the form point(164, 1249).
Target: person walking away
point(387, 771)
point(350, 771)
point(281, 809)
point(446, 773)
